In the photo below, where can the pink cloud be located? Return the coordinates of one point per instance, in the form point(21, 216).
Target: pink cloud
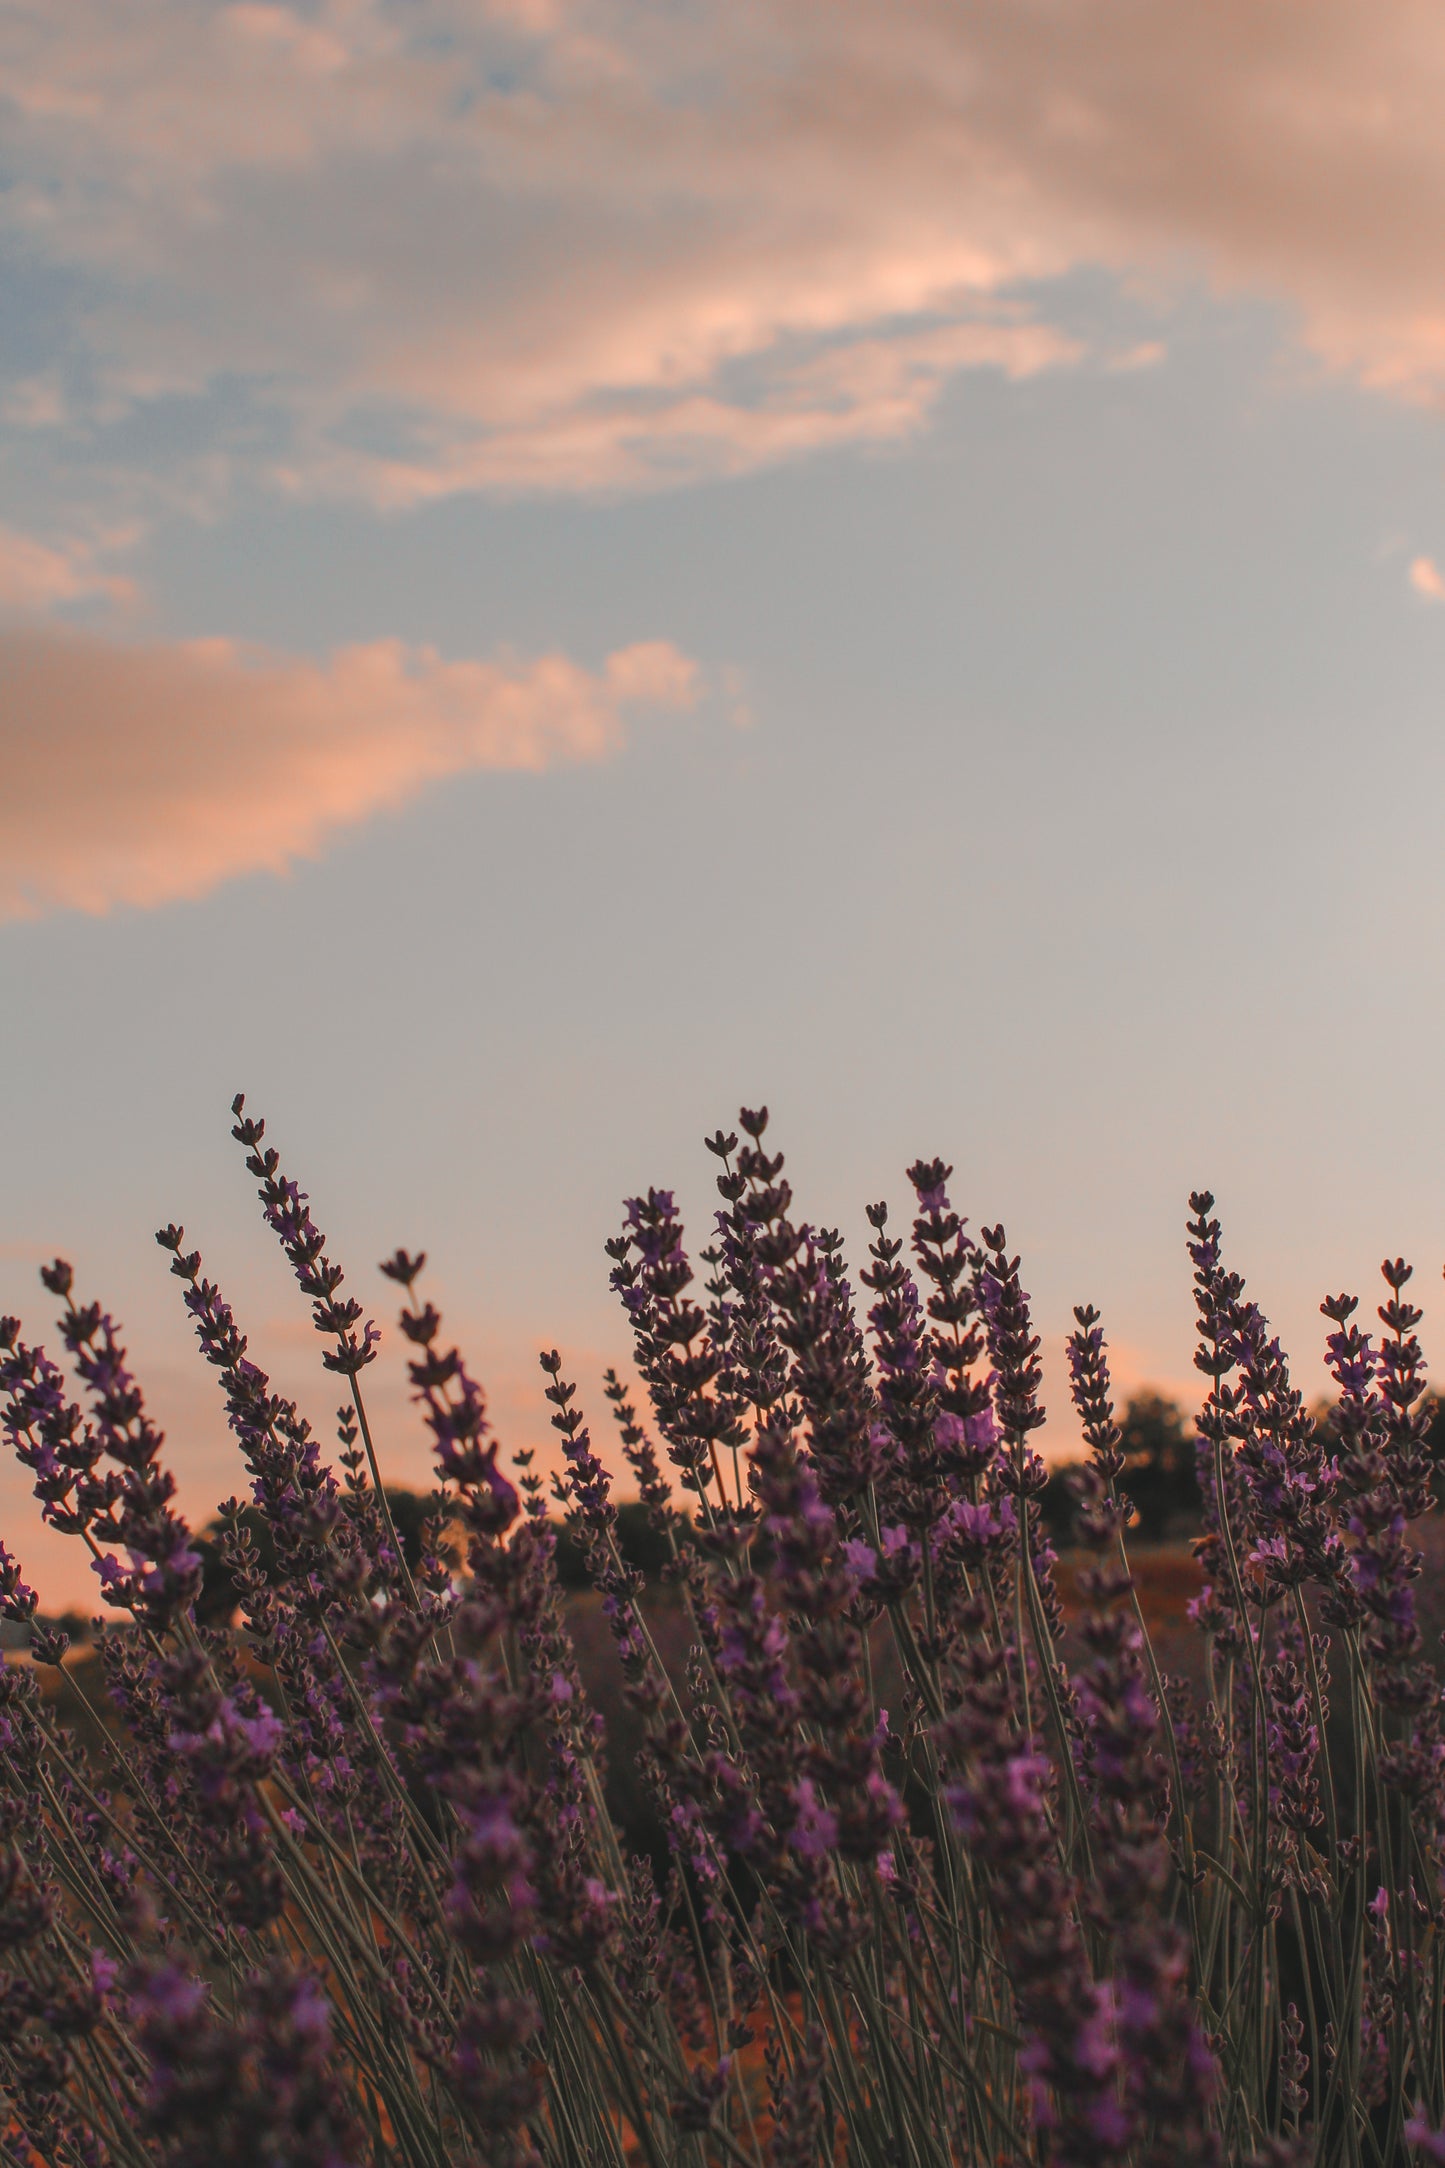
point(578, 244)
point(1426, 580)
point(139, 774)
point(37, 576)
point(861, 391)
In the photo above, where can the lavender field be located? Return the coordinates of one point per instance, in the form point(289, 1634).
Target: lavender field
point(334, 1879)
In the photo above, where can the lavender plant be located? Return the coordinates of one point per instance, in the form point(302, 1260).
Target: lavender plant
point(340, 1883)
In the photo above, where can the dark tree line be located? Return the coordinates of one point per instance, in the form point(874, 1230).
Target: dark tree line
point(1159, 1470)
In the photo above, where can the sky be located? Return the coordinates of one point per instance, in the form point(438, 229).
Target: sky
point(565, 567)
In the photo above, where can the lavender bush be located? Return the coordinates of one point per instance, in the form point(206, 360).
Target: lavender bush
point(341, 1885)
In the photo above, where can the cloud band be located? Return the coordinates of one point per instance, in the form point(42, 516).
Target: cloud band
point(140, 774)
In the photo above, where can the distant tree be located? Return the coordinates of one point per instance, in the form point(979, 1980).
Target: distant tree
point(1432, 1406)
point(410, 1510)
point(1436, 1439)
point(1158, 1477)
point(637, 1540)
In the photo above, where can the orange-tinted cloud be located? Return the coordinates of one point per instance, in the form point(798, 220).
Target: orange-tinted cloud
point(137, 774)
point(1426, 579)
point(38, 576)
point(577, 243)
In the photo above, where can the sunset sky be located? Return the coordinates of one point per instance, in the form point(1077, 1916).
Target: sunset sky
point(563, 566)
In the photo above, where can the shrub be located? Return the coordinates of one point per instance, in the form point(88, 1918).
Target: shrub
point(339, 1884)
point(1159, 1471)
point(640, 1541)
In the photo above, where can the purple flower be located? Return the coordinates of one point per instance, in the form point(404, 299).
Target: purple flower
point(860, 1559)
point(17, 1601)
point(1419, 2134)
point(815, 1828)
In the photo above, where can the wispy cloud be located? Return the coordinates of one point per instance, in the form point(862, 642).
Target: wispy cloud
point(1148, 354)
point(815, 396)
point(578, 244)
point(37, 576)
point(139, 774)
point(1425, 578)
